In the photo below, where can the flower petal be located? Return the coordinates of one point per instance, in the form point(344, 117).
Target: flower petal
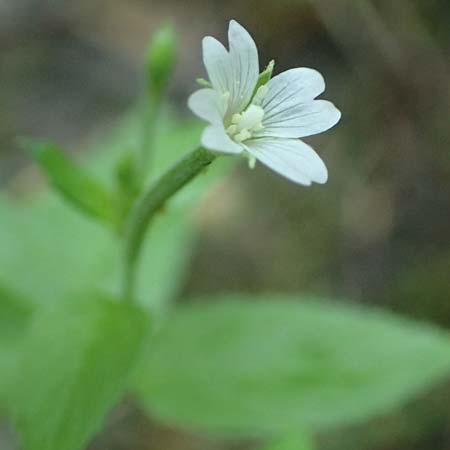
point(291, 88)
point(244, 66)
point(290, 158)
point(304, 119)
point(208, 105)
point(216, 139)
point(217, 63)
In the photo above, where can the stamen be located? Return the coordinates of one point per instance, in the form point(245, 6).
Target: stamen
point(236, 118)
point(243, 125)
point(243, 135)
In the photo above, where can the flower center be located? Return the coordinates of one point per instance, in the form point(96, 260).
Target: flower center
point(243, 125)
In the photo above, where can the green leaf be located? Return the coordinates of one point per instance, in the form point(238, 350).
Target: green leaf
point(72, 181)
point(49, 252)
point(272, 363)
point(294, 441)
point(74, 367)
point(15, 316)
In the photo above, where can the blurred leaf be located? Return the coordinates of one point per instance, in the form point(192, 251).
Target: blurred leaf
point(15, 315)
point(73, 369)
point(72, 181)
point(297, 441)
point(49, 252)
point(270, 364)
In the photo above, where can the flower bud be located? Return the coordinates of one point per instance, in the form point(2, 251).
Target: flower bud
point(160, 61)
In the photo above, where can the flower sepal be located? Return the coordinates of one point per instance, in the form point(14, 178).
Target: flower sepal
point(264, 76)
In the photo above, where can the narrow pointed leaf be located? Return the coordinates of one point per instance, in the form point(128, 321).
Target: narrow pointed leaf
point(76, 185)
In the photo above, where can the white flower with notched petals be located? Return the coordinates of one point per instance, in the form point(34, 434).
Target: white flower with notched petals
point(264, 123)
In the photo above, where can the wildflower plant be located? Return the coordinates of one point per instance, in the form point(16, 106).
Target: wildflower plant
point(85, 307)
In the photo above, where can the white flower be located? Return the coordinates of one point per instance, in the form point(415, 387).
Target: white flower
point(263, 125)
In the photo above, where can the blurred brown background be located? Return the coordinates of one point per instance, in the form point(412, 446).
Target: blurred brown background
point(378, 232)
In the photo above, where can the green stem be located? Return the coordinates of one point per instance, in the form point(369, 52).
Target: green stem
point(150, 118)
point(149, 203)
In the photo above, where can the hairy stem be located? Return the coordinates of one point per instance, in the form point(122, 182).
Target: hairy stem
point(149, 203)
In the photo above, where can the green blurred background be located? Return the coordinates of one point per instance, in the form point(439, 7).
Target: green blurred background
point(378, 232)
